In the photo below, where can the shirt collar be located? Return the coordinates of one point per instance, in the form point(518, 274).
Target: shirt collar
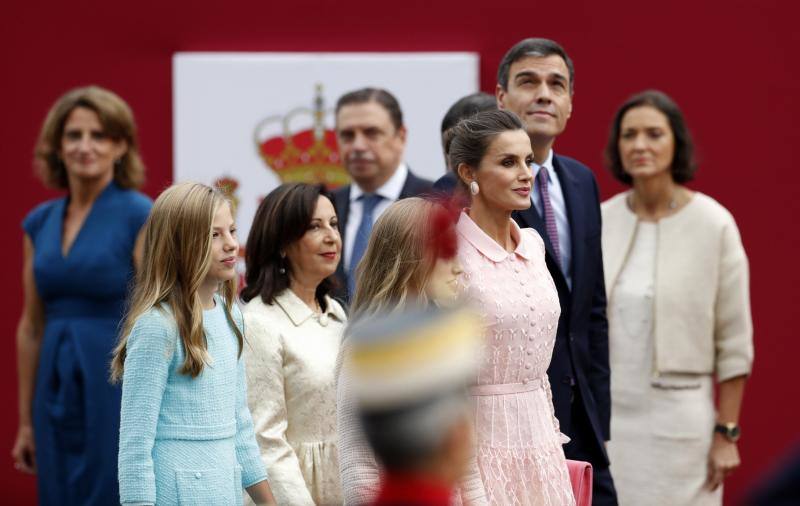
point(548, 164)
point(473, 234)
point(299, 312)
point(390, 190)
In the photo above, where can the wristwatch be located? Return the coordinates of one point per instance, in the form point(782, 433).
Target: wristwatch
point(730, 431)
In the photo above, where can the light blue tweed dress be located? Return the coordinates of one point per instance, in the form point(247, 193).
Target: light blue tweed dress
point(184, 440)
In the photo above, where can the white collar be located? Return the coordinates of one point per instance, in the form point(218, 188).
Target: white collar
point(390, 190)
point(298, 312)
point(548, 164)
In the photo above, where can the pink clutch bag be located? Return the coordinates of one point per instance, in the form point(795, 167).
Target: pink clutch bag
point(580, 475)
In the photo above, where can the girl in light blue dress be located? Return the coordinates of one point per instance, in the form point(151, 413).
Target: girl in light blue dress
point(186, 435)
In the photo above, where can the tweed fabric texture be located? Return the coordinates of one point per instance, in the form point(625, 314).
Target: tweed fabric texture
point(185, 440)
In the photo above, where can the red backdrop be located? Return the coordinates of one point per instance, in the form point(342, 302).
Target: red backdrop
point(731, 66)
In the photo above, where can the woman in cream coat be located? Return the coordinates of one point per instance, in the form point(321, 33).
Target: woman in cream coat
point(292, 335)
point(679, 315)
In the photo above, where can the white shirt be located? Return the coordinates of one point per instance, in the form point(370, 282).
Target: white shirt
point(390, 191)
point(559, 210)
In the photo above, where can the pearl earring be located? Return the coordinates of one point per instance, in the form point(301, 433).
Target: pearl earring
point(473, 188)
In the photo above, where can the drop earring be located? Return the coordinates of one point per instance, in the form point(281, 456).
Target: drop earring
point(474, 188)
point(282, 269)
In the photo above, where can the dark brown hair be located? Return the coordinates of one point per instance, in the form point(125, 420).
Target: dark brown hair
point(468, 141)
point(282, 218)
point(683, 162)
point(533, 47)
point(117, 121)
point(465, 107)
point(377, 95)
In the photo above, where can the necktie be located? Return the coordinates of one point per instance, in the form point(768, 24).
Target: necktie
point(368, 203)
point(549, 216)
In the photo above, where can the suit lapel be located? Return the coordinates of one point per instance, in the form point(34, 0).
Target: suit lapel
point(529, 218)
point(575, 213)
point(409, 186)
point(342, 204)
point(341, 200)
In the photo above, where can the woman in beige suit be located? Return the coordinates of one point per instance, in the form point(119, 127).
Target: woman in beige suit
point(292, 333)
point(679, 315)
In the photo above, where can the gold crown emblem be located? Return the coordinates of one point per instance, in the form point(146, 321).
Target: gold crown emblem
point(298, 147)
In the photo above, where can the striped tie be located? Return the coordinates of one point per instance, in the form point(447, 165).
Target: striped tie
point(549, 216)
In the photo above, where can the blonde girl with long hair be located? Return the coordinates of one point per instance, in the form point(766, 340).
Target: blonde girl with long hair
point(410, 261)
point(186, 435)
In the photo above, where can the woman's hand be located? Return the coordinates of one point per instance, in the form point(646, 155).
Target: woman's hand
point(723, 459)
point(24, 451)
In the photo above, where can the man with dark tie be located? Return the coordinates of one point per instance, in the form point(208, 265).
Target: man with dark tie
point(535, 80)
point(372, 139)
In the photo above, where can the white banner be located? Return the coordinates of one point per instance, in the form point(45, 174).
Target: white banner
point(255, 120)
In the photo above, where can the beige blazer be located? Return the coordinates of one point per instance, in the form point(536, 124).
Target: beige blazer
point(290, 354)
point(702, 297)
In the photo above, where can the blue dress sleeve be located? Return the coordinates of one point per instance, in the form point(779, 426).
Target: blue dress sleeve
point(247, 452)
point(151, 346)
point(32, 223)
point(139, 209)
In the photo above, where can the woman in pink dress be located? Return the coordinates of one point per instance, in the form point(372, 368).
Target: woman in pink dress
point(519, 458)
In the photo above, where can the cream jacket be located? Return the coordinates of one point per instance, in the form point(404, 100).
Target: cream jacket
point(702, 299)
point(290, 354)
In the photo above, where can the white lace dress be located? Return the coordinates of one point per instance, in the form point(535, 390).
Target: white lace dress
point(290, 354)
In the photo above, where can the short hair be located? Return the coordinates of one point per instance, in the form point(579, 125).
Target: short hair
point(683, 162)
point(281, 219)
point(533, 47)
point(377, 95)
point(463, 108)
point(468, 141)
point(117, 121)
point(468, 106)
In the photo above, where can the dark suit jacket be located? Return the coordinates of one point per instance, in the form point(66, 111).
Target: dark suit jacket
point(580, 356)
point(447, 183)
point(414, 186)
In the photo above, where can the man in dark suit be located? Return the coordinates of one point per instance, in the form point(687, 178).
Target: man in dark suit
point(535, 80)
point(372, 139)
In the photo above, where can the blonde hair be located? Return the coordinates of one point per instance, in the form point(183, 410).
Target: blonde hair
point(177, 255)
point(117, 121)
point(397, 265)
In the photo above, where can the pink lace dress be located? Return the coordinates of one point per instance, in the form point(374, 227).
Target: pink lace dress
point(519, 455)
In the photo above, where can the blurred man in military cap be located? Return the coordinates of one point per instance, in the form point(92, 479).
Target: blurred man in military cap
point(409, 373)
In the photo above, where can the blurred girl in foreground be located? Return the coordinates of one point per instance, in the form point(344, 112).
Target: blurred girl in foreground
point(410, 261)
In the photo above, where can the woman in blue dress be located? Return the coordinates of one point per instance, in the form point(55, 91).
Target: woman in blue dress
point(79, 256)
